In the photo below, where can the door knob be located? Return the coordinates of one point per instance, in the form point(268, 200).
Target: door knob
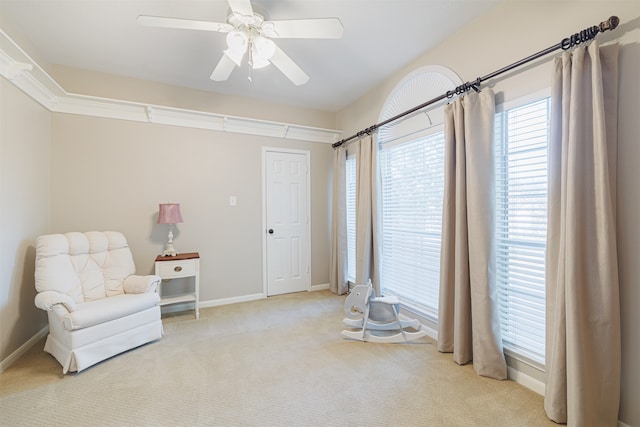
point(270, 231)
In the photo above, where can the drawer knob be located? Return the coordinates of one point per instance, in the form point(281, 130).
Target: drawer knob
point(177, 268)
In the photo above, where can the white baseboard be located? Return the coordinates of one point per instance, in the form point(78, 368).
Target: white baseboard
point(252, 297)
point(525, 380)
point(233, 300)
point(4, 365)
point(319, 287)
point(432, 333)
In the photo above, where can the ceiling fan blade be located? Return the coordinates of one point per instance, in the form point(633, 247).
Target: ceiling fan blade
point(321, 28)
point(289, 68)
point(223, 69)
point(243, 7)
point(183, 24)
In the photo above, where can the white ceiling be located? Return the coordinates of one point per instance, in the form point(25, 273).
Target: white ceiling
point(380, 36)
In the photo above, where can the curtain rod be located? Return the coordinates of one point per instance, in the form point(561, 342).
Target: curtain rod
point(566, 43)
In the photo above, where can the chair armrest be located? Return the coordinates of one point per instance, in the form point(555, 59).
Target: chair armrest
point(135, 284)
point(45, 300)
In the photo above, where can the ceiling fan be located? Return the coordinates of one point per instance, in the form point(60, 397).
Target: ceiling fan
point(248, 32)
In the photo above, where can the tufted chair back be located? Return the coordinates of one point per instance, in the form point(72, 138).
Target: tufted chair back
point(85, 266)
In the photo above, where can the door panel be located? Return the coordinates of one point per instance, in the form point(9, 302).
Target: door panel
point(287, 222)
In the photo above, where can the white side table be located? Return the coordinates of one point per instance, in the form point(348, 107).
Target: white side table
point(174, 267)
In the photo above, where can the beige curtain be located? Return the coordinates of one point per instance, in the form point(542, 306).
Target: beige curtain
point(338, 262)
point(468, 315)
point(366, 217)
point(583, 307)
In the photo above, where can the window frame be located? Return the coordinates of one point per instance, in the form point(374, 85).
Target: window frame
point(422, 310)
point(350, 209)
point(515, 352)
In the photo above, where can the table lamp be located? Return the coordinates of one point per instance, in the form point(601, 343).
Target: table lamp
point(169, 214)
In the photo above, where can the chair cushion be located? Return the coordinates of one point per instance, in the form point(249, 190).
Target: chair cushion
point(54, 270)
point(91, 313)
point(85, 266)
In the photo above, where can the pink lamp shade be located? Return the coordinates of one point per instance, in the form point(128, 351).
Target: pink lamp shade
point(169, 213)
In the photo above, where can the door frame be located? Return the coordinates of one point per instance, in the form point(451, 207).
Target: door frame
point(307, 154)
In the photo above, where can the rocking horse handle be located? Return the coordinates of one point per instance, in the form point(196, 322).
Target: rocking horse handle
point(357, 301)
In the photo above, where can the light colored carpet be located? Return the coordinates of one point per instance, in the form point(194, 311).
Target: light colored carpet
point(274, 362)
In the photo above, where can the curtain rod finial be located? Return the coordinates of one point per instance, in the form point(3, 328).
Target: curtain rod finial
point(610, 24)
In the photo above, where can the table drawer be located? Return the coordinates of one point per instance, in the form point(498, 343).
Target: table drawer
point(171, 269)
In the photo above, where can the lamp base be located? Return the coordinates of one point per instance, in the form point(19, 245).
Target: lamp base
point(170, 251)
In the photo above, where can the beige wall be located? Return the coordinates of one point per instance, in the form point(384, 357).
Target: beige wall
point(24, 212)
point(134, 166)
point(111, 174)
point(511, 32)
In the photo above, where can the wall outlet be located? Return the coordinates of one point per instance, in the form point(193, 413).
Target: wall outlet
point(232, 200)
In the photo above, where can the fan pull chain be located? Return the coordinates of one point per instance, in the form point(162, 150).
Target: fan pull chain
point(250, 62)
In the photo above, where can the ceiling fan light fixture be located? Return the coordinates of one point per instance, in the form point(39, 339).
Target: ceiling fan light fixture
point(237, 42)
point(262, 49)
point(259, 63)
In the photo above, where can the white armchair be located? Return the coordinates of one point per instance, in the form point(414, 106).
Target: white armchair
point(97, 306)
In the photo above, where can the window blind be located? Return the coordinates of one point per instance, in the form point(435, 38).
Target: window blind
point(412, 175)
point(522, 136)
point(351, 217)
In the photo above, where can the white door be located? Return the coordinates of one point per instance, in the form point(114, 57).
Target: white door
point(286, 221)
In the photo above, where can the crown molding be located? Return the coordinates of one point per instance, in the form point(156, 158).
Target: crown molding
point(20, 74)
point(21, 70)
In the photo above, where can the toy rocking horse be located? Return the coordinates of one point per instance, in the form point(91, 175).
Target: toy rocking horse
point(377, 319)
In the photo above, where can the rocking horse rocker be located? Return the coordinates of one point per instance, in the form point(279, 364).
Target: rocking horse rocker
point(377, 319)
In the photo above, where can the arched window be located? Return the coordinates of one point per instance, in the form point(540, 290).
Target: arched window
point(412, 177)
